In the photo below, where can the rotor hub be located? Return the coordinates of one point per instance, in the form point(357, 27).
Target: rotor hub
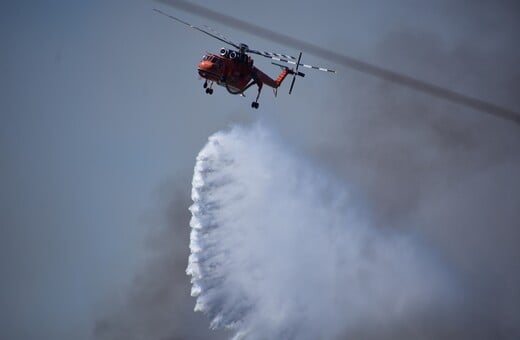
point(243, 47)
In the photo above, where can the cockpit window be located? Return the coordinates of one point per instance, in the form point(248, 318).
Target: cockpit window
point(211, 58)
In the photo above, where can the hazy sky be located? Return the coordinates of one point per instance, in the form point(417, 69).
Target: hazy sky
point(102, 116)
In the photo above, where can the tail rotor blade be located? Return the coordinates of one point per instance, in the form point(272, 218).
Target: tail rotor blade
point(298, 62)
point(295, 72)
point(292, 83)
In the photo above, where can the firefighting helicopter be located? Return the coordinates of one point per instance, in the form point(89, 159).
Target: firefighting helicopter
point(234, 69)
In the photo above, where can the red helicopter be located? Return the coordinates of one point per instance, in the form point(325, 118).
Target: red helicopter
point(234, 69)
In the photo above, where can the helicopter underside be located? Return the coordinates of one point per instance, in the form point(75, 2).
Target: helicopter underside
point(237, 87)
point(233, 88)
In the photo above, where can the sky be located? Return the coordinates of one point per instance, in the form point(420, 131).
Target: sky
point(102, 115)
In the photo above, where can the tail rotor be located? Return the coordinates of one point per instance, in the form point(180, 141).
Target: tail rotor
point(296, 73)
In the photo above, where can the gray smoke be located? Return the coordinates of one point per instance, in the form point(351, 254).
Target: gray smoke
point(441, 171)
point(158, 303)
point(419, 166)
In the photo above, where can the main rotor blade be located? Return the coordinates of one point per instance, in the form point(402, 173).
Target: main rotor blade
point(347, 61)
point(280, 57)
point(215, 35)
point(305, 65)
point(271, 55)
point(218, 34)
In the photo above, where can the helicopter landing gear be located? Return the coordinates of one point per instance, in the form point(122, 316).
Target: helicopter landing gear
point(209, 90)
point(255, 104)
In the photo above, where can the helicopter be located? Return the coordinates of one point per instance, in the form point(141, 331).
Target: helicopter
point(233, 68)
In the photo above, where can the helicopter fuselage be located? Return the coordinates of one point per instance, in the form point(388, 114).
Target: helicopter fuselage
point(235, 71)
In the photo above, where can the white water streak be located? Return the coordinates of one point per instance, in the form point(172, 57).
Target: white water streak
point(278, 251)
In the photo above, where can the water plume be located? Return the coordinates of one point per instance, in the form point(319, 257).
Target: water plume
point(279, 250)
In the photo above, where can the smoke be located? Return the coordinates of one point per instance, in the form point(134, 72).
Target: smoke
point(280, 251)
point(416, 165)
point(158, 304)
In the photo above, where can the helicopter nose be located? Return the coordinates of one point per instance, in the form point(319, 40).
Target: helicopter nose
point(205, 65)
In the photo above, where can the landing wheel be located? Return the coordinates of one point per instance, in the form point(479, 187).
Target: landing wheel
point(209, 91)
point(255, 105)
